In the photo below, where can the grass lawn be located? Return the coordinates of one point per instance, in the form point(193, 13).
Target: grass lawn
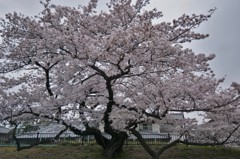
point(130, 152)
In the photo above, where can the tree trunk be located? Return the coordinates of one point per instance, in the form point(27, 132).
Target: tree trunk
point(154, 154)
point(114, 147)
point(147, 148)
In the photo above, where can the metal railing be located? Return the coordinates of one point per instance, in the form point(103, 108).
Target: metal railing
point(30, 138)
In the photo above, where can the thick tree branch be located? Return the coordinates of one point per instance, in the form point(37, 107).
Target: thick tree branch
point(18, 142)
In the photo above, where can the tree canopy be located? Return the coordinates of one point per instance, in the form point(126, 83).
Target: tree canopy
point(115, 67)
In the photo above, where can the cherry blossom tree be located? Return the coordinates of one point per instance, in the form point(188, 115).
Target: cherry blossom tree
point(117, 68)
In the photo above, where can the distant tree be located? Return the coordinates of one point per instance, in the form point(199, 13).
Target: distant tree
point(115, 68)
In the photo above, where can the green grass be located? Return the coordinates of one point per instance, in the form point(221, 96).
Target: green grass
point(130, 152)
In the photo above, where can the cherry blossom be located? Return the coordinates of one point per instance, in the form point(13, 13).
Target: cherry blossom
point(117, 68)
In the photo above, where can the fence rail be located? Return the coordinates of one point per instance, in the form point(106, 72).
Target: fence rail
point(30, 138)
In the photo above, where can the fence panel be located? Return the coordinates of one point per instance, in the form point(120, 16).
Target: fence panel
point(6, 140)
point(30, 138)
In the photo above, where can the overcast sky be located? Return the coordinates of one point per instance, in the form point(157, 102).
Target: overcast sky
point(223, 27)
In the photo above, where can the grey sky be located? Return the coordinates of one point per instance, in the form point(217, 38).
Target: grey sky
point(223, 27)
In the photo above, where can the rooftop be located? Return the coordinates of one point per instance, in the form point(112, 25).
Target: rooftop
point(4, 130)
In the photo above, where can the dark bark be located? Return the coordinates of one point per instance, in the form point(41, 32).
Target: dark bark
point(100, 139)
point(115, 146)
point(18, 143)
point(147, 148)
point(154, 154)
point(111, 147)
point(47, 74)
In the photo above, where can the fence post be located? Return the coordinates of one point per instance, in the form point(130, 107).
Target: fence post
point(83, 140)
point(37, 136)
